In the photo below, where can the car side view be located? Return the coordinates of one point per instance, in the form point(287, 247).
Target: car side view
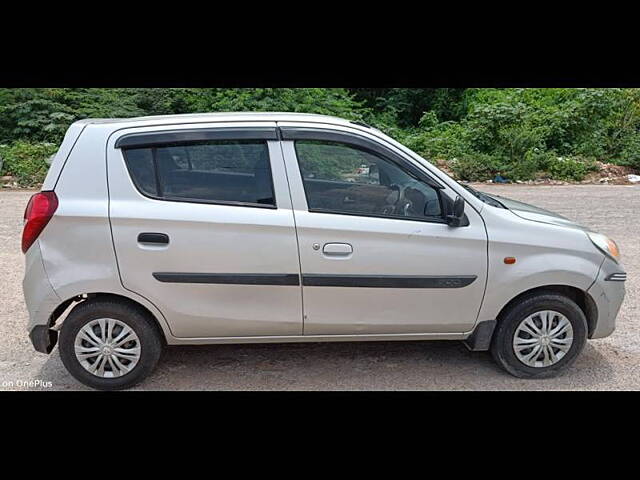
point(282, 227)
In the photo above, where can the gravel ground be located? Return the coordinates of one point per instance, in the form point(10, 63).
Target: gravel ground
point(612, 363)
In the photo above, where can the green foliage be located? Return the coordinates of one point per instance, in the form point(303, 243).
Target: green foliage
point(326, 101)
point(519, 132)
point(630, 151)
point(26, 161)
point(527, 168)
point(30, 115)
point(436, 141)
point(516, 132)
point(407, 105)
point(569, 168)
point(475, 167)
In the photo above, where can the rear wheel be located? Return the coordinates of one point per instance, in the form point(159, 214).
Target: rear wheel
point(109, 345)
point(539, 336)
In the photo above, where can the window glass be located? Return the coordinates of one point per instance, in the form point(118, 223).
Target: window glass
point(214, 171)
point(140, 162)
point(345, 179)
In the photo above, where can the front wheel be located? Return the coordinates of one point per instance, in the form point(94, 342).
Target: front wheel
point(109, 345)
point(539, 336)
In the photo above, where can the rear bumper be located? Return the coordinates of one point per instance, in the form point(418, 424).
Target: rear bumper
point(41, 301)
point(608, 295)
point(43, 338)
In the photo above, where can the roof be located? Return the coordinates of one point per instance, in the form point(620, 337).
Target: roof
point(222, 117)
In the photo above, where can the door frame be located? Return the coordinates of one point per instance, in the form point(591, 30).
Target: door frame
point(122, 188)
point(292, 131)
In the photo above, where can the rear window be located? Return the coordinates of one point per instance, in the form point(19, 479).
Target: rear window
point(218, 171)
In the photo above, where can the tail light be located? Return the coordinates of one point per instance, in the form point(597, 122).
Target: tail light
point(40, 209)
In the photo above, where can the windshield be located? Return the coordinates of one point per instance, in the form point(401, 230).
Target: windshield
point(483, 196)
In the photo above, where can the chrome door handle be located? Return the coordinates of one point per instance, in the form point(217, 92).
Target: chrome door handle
point(337, 249)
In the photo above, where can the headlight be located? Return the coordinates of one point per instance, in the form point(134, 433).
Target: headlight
point(605, 244)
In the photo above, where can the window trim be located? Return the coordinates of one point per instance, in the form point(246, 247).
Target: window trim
point(186, 136)
point(438, 220)
point(166, 198)
point(371, 147)
point(308, 133)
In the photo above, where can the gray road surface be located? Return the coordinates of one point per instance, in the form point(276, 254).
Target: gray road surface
point(607, 364)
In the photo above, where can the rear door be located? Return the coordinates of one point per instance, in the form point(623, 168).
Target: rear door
point(376, 255)
point(203, 227)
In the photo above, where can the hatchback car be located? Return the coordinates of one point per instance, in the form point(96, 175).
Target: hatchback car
point(280, 227)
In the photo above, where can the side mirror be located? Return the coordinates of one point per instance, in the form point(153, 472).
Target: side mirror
point(455, 217)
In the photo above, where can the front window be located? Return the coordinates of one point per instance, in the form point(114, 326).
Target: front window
point(341, 178)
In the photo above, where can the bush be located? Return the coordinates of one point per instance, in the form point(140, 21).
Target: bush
point(475, 167)
point(325, 101)
point(26, 161)
point(570, 168)
point(444, 140)
point(524, 169)
point(630, 151)
point(529, 166)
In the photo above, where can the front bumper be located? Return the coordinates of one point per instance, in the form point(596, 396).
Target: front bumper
point(608, 293)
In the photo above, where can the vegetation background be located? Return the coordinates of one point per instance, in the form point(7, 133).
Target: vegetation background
point(517, 133)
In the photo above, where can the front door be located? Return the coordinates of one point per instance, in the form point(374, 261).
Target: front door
point(375, 252)
point(203, 228)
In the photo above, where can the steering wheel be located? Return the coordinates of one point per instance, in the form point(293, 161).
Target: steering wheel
point(402, 204)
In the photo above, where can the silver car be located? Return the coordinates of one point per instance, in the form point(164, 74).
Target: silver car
point(280, 227)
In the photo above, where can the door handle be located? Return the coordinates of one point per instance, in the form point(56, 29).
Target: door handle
point(156, 238)
point(337, 249)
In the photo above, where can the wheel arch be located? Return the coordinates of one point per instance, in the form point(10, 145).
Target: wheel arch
point(582, 299)
point(108, 296)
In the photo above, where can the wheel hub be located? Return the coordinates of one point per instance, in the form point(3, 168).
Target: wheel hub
point(107, 348)
point(542, 339)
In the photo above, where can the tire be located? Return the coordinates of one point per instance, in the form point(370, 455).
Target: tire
point(510, 324)
point(120, 315)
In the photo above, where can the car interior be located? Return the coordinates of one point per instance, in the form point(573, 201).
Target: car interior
point(377, 187)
